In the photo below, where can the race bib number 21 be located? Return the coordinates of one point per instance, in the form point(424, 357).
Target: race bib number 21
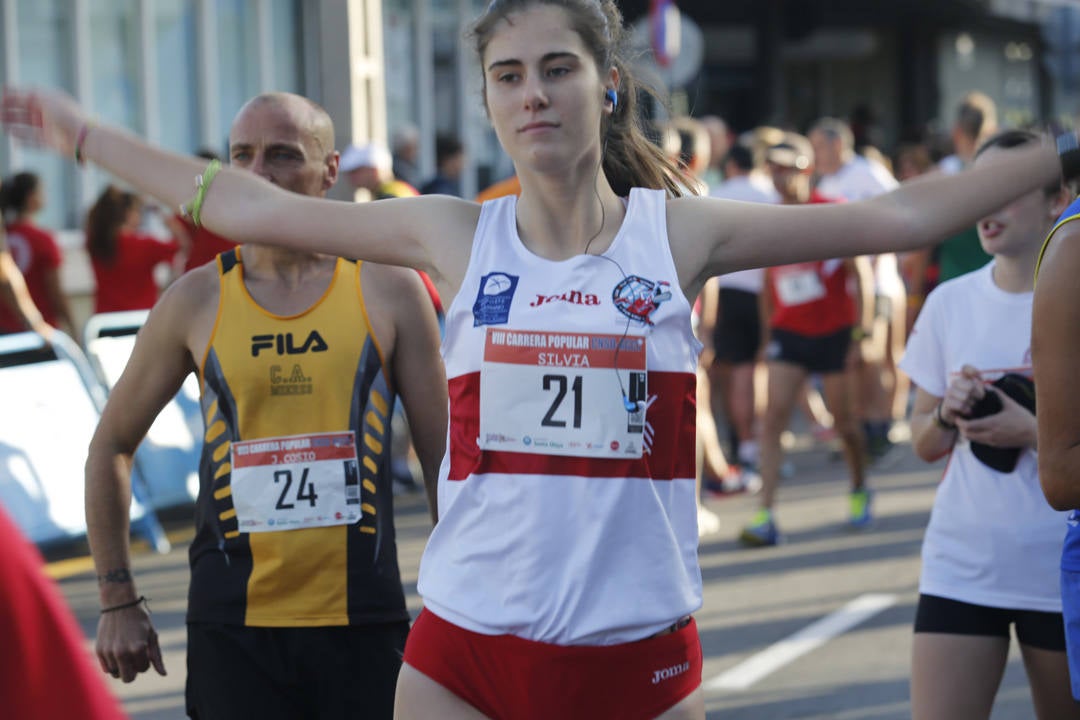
point(555, 393)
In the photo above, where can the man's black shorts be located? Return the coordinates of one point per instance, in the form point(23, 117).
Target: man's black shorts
point(287, 673)
point(824, 355)
point(737, 335)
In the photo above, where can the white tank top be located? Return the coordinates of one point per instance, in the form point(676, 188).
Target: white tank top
point(563, 516)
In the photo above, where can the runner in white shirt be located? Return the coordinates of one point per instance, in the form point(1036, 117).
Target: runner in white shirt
point(990, 555)
point(882, 392)
point(690, 151)
point(736, 337)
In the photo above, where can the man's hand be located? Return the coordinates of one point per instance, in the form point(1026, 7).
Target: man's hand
point(127, 643)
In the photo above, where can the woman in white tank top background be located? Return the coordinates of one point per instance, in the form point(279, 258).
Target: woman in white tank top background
point(552, 541)
point(990, 563)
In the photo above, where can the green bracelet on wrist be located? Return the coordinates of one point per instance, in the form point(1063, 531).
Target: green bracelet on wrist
point(202, 184)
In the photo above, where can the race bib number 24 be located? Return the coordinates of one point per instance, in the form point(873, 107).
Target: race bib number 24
point(299, 481)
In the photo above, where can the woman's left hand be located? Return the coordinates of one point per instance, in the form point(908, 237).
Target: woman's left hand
point(1012, 426)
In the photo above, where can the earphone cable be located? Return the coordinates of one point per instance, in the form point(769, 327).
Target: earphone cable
point(613, 261)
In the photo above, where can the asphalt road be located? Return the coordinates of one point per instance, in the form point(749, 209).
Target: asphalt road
point(818, 627)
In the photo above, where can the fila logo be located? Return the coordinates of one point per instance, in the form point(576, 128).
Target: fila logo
point(669, 672)
point(283, 344)
point(574, 297)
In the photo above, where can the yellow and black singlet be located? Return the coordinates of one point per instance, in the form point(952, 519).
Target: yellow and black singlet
point(1071, 214)
point(294, 519)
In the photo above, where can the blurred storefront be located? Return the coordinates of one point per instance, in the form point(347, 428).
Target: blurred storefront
point(176, 71)
point(908, 62)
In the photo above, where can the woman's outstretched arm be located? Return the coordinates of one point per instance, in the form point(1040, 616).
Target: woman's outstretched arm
point(414, 232)
point(915, 215)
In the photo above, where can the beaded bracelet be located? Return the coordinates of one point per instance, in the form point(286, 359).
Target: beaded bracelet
point(124, 606)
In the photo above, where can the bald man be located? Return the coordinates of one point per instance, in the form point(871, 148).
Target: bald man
point(295, 607)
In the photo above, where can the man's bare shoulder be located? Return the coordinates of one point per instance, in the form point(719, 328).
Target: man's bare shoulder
point(398, 304)
point(186, 311)
point(195, 289)
point(392, 283)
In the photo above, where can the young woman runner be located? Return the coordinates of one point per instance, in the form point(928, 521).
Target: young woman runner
point(561, 577)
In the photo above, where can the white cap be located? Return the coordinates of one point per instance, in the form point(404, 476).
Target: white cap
point(370, 155)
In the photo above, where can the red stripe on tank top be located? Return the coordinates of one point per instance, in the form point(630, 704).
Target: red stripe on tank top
point(672, 417)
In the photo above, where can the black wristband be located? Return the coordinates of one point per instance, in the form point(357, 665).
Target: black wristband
point(940, 421)
point(125, 606)
point(1068, 149)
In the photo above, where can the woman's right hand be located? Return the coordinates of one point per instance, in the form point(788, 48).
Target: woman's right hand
point(963, 392)
point(43, 117)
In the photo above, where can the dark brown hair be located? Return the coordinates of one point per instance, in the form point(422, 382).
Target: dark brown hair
point(16, 191)
point(630, 159)
point(104, 221)
point(1007, 139)
point(977, 115)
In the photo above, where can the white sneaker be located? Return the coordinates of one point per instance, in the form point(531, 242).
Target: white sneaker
point(708, 522)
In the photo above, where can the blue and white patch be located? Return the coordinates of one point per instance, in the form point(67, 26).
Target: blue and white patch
point(496, 293)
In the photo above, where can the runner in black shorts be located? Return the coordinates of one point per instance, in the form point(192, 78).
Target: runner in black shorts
point(811, 313)
point(736, 339)
point(246, 672)
point(737, 329)
point(990, 551)
point(825, 355)
point(737, 335)
point(1034, 628)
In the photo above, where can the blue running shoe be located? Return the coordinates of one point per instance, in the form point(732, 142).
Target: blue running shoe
point(761, 532)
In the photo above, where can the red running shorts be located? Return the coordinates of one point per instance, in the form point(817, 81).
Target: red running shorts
point(507, 677)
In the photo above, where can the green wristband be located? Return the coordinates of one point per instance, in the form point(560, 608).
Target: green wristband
point(202, 183)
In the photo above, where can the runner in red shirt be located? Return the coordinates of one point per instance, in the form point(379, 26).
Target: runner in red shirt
point(45, 667)
point(35, 252)
point(205, 245)
point(123, 259)
point(810, 314)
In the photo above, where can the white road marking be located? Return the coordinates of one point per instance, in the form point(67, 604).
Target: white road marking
point(810, 638)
